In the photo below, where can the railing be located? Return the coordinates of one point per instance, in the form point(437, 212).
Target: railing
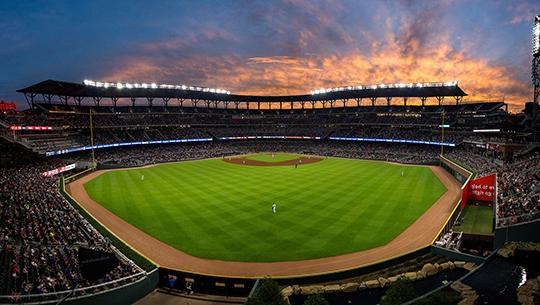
point(503, 222)
point(78, 292)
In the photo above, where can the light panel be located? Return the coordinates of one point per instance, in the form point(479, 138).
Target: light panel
point(119, 85)
point(384, 86)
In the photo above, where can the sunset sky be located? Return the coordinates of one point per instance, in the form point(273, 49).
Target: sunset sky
point(271, 47)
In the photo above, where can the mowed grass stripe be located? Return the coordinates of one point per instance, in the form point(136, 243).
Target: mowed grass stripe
point(214, 209)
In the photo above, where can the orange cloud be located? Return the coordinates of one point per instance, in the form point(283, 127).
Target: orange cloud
point(421, 51)
point(282, 75)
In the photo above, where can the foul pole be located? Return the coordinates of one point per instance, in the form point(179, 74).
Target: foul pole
point(92, 140)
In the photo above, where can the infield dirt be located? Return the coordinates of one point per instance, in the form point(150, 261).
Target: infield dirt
point(245, 160)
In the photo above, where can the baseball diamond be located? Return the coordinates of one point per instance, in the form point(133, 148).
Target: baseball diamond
point(349, 204)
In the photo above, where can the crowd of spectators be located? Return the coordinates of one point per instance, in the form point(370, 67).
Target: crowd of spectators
point(40, 234)
point(74, 117)
point(143, 155)
point(518, 183)
point(433, 134)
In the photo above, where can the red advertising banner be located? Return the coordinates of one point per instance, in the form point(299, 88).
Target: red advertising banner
point(7, 106)
point(59, 170)
point(480, 189)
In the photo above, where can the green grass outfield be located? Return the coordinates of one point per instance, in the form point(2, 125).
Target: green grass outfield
point(477, 219)
point(214, 209)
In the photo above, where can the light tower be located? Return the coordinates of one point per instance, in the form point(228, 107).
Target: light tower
point(536, 68)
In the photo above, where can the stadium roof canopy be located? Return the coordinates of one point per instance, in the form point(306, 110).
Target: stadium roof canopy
point(66, 93)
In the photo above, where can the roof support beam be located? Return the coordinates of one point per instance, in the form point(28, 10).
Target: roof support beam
point(29, 97)
point(48, 98)
point(166, 101)
point(64, 99)
point(423, 99)
point(97, 100)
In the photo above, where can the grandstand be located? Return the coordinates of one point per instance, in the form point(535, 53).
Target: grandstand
point(70, 123)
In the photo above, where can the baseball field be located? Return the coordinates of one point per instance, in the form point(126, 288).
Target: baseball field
point(222, 208)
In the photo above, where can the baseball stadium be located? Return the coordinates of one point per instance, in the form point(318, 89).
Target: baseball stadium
point(156, 191)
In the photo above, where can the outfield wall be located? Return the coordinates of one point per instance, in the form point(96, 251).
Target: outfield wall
point(207, 284)
point(519, 232)
point(462, 176)
point(460, 173)
point(338, 275)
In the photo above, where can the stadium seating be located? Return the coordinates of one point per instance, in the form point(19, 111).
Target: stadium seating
point(40, 232)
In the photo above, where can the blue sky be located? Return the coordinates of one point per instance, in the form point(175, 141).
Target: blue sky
point(271, 47)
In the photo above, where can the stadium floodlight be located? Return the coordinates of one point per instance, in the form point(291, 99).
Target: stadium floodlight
point(144, 85)
point(536, 37)
point(153, 86)
point(381, 86)
point(184, 87)
point(105, 85)
point(88, 82)
point(119, 85)
point(129, 86)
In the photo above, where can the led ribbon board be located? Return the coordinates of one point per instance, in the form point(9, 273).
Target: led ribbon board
point(270, 137)
point(83, 148)
point(393, 141)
